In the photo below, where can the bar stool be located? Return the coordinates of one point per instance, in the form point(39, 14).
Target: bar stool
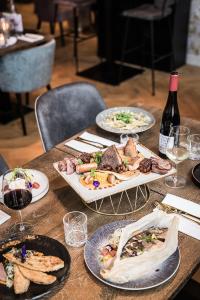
point(150, 13)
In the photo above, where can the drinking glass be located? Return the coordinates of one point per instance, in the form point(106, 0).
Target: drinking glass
point(5, 27)
point(194, 146)
point(17, 195)
point(75, 228)
point(125, 137)
point(177, 151)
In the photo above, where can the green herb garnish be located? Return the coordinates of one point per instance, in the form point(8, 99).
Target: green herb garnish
point(124, 117)
point(80, 162)
point(93, 173)
point(97, 157)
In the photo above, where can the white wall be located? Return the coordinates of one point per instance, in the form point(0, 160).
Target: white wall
point(193, 52)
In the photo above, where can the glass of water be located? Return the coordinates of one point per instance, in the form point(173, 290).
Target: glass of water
point(75, 228)
point(194, 146)
point(125, 137)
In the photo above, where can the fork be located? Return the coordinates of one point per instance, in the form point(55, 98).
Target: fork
point(92, 143)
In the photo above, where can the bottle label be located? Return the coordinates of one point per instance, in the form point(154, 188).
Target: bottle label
point(173, 83)
point(165, 140)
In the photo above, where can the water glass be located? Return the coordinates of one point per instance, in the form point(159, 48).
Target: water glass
point(125, 137)
point(194, 146)
point(75, 228)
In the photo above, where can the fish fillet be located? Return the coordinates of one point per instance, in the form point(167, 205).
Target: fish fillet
point(21, 283)
point(37, 276)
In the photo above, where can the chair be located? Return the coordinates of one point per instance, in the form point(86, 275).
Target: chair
point(3, 5)
point(151, 13)
point(47, 11)
point(3, 165)
point(66, 110)
point(25, 71)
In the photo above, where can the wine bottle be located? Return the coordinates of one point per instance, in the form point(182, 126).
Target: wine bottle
point(171, 116)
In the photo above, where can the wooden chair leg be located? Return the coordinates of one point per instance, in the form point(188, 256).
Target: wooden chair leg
point(27, 98)
point(39, 24)
point(48, 87)
point(21, 112)
point(52, 27)
point(62, 38)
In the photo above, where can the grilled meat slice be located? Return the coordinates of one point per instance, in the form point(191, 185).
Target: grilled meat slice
point(111, 159)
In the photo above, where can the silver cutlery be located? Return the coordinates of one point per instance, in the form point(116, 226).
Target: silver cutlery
point(92, 143)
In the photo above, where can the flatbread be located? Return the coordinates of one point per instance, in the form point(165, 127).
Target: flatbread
point(37, 263)
point(21, 283)
point(37, 276)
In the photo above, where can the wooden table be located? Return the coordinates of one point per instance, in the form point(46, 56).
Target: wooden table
point(22, 45)
point(61, 199)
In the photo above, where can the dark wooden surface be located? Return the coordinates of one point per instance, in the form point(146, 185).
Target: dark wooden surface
point(22, 45)
point(62, 199)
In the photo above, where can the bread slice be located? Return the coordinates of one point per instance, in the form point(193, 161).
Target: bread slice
point(37, 276)
point(21, 283)
point(37, 263)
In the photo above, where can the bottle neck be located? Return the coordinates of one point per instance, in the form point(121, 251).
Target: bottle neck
point(173, 82)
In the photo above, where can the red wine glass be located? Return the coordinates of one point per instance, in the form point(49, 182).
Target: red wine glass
point(17, 195)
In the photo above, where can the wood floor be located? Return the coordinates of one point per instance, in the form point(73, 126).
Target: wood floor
point(136, 91)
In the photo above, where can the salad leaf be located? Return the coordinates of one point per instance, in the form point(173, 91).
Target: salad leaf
point(124, 117)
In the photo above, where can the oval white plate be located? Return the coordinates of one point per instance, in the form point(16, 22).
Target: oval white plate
point(102, 115)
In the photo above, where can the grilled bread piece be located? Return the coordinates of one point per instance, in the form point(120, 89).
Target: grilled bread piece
point(110, 159)
point(37, 263)
point(3, 275)
point(21, 283)
point(37, 276)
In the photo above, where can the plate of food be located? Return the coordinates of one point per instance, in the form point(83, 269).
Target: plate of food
point(125, 120)
point(135, 255)
point(196, 175)
point(100, 174)
point(32, 268)
point(38, 181)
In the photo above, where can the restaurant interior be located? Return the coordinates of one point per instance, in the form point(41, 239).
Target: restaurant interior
point(100, 122)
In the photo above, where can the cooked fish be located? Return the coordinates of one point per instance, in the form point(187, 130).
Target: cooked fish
point(37, 276)
point(21, 283)
point(38, 263)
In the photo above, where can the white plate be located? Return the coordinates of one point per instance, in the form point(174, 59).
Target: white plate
point(10, 42)
point(100, 118)
point(39, 177)
point(93, 195)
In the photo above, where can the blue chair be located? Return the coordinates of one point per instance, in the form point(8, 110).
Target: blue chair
point(25, 71)
point(65, 111)
point(3, 165)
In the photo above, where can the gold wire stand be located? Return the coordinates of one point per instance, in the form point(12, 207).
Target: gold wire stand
point(124, 203)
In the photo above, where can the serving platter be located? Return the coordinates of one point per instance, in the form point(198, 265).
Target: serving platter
point(90, 196)
point(37, 176)
point(100, 238)
point(101, 117)
point(43, 244)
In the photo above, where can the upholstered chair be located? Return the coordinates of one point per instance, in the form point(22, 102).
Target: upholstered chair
point(66, 110)
point(3, 165)
point(27, 70)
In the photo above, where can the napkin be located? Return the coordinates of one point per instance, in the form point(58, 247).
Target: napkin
point(3, 217)
point(30, 38)
point(83, 147)
point(182, 204)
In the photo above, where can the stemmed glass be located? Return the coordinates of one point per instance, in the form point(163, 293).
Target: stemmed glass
point(177, 151)
point(17, 195)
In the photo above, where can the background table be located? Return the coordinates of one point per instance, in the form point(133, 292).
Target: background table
point(61, 199)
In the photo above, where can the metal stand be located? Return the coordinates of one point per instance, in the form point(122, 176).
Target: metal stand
point(127, 202)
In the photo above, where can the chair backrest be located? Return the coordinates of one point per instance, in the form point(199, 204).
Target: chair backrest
point(45, 10)
point(3, 5)
point(163, 4)
point(27, 70)
point(3, 165)
point(66, 110)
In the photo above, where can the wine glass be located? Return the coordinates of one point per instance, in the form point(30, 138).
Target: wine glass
point(17, 195)
point(177, 151)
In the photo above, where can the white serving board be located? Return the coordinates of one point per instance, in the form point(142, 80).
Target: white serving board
point(92, 195)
